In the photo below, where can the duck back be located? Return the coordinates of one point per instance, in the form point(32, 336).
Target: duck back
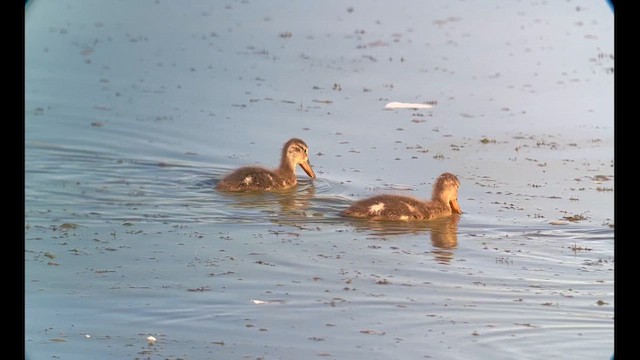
point(395, 207)
point(255, 178)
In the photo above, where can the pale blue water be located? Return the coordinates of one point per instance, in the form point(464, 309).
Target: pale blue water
point(134, 111)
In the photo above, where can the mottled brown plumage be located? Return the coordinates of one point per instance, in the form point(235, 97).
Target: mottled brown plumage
point(444, 202)
point(255, 178)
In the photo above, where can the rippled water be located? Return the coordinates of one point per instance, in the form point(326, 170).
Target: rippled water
point(135, 111)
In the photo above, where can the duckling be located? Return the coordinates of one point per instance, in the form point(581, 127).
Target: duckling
point(444, 202)
point(294, 152)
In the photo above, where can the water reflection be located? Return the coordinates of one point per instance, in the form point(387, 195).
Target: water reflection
point(443, 233)
point(444, 238)
point(291, 203)
point(297, 204)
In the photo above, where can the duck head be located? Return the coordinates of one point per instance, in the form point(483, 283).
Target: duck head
point(296, 152)
point(445, 189)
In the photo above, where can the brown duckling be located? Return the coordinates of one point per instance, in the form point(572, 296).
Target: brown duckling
point(294, 152)
point(444, 202)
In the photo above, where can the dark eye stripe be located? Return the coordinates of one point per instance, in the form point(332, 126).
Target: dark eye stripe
point(300, 148)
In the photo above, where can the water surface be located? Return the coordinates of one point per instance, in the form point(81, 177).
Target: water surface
point(135, 111)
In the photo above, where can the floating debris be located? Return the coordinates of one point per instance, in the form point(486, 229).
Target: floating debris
point(575, 218)
point(577, 248)
point(65, 227)
point(399, 105)
point(558, 223)
point(372, 332)
point(487, 141)
point(261, 302)
point(200, 289)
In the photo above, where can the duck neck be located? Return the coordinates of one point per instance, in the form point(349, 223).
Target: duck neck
point(286, 167)
point(441, 203)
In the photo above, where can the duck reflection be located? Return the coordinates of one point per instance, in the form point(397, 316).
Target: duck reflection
point(286, 204)
point(443, 233)
point(444, 238)
point(297, 203)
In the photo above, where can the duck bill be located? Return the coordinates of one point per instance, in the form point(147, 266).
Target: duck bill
point(455, 207)
point(307, 168)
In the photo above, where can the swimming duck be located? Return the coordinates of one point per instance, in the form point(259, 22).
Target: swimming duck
point(294, 152)
point(444, 202)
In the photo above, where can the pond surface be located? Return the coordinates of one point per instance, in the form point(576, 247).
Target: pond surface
point(135, 111)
